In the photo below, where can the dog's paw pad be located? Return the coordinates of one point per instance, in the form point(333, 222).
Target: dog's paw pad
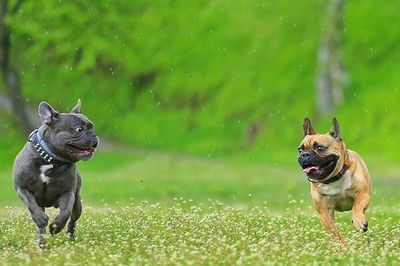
point(71, 235)
point(360, 224)
point(365, 227)
point(41, 241)
point(53, 228)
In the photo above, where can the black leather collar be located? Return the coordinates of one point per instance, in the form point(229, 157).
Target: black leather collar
point(333, 178)
point(43, 150)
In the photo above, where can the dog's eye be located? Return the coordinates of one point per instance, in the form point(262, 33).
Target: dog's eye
point(79, 129)
point(321, 148)
point(300, 150)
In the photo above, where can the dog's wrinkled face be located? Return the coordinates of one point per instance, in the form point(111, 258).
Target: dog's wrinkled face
point(71, 135)
point(321, 155)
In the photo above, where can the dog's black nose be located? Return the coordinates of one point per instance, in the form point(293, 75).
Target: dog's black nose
point(305, 154)
point(96, 142)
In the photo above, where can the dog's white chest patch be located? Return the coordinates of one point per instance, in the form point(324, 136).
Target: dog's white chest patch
point(336, 188)
point(43, 169)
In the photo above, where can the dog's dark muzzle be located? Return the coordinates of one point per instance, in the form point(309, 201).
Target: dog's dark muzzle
point(85, 147)
point(317, 167)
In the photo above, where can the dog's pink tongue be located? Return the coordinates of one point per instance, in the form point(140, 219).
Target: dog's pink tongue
point(311, 169)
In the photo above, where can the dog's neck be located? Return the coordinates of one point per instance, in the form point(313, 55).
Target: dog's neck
point(43, 149)
point(338, 176)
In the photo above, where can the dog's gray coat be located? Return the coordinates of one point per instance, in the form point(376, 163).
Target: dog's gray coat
point(41, 184)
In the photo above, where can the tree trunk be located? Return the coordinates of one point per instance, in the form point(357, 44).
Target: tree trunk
point(331, 76)
point(9, 73)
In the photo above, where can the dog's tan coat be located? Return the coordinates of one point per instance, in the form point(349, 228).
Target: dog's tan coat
point(351, 192)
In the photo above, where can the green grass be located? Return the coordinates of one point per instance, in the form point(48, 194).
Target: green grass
point(145, 207)
point(205, 234)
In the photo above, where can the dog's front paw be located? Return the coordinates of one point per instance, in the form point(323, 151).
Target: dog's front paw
point(41, 241)
point(361, 223)
point(40, 219)
point(71, 235)
point(54, 228)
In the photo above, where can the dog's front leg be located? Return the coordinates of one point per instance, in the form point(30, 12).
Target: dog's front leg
point(65, 203)
point(76, 213)
point(361, 201)
point(38, 216)
point(326, 216)
point(326, 213)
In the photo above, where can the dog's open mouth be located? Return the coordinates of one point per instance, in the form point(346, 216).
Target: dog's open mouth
point(322, 168)
point(311, 169)
point(81, 151)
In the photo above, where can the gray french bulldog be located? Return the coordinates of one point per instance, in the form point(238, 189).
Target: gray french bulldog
point(45, 174)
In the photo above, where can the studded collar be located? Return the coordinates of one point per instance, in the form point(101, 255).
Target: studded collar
point(43, 150)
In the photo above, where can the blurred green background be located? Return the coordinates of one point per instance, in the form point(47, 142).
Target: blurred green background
point(204, 99)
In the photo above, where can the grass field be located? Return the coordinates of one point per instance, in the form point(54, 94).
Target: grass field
point(209, 233)
point(161, 208)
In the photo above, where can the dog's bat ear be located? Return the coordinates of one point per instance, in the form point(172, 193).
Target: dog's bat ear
point(47, 114)
point(335, 130)
point(307, 127)
point(77, 108)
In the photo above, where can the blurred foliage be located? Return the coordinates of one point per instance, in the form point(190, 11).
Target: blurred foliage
point(210, 77)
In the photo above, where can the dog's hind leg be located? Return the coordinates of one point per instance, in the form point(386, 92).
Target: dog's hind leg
point(38, 216)
point(66, 204)
point(76, 213)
